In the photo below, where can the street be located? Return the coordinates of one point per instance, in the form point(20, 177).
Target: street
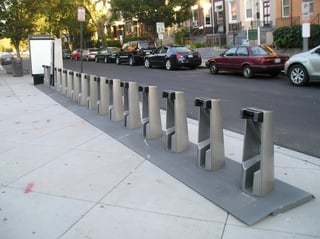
point(296, 113)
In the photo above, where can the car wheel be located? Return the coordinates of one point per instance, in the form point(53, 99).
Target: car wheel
point(298, 75)
point(213, 68)
point(247, 71)
point(118, 60)
point(131, 61)
point(168, 65)
point(147, 63)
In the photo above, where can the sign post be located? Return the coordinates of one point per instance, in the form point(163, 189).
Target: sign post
point(160, 30)
point(305, 19)
point(81, 19)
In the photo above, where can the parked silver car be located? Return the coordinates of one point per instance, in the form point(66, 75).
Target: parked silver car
point(302, 67)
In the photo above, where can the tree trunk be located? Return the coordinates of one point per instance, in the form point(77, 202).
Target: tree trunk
point(16, 45)
point(101, 34)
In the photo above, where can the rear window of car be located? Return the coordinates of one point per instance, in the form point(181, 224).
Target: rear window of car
point(147, 45)
point(182, 49)
point(259, 51)
point(93, 49)
point(113, 49)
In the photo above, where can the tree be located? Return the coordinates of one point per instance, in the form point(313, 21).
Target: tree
point(100, 13)
point(60, 20)
point(17, 20)
point(151, 11)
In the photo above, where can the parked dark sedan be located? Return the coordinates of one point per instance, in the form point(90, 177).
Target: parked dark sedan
point(248, 60)
point(107, 55)
point(6, 58)
point(172, 57)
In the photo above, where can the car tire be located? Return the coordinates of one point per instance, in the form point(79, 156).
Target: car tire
point(213, 68)
point(298, 75)
point(147, 63)
point(168, 65)
point(247, 71)
point(118, 60)
point(131, 61)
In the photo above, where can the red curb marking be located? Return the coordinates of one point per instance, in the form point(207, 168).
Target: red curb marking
point(29, 187)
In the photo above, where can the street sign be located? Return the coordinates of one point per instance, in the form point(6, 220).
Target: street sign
point(306, 30)
point(253, 34)
point(305, 9)
point(160, 27)
point(81, 14)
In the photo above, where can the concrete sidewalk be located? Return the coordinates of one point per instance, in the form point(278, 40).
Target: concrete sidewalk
point(61, 177)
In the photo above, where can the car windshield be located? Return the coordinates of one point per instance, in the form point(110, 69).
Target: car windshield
point(181, 49)
point(147, 45)
point(6, 55)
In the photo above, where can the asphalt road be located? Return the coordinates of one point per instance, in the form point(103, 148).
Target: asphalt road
point(296, 110)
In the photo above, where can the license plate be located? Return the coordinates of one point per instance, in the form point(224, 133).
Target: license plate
point(190, 56)
point(277, 60)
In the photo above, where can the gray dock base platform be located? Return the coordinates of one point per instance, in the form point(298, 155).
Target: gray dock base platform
point(222, 187)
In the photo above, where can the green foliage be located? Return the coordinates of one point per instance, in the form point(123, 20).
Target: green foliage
point(198, 45)
point(149, 12)
point(115, 43)
point(181, 35)
point(291, 36)
point(142, 38)
point(17, 20)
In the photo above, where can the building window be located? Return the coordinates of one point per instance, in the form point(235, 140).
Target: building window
point(207, 19)
point(218, 8)
point(266, 13)
point(311, 5)
point(285, 8)
point(233, 8)
point(249, 9)
point(195, 13)
point(195, 16)
point(207, 14)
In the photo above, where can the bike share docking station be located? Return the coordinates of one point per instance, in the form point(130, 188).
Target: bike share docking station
point(116, 105)
point(132, 118)
point(258, 152)
point(176, 121)
point(151, 120)
point(210, 134)
point(248, 189)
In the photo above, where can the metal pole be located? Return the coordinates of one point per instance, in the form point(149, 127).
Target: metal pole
point(81, 49)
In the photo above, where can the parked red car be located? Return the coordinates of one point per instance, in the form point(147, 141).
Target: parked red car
point(248, 60)
point(76, 54)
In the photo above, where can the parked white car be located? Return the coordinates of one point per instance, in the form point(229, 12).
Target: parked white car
point(302, 67)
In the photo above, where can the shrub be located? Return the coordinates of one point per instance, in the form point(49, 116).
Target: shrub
point(291, 36)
